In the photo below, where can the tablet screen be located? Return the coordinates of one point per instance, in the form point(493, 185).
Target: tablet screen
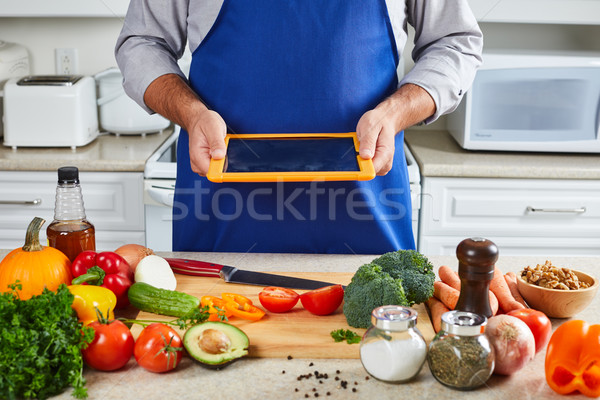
point(312, 154)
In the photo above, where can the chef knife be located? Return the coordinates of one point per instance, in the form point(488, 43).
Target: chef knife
point(234, 275)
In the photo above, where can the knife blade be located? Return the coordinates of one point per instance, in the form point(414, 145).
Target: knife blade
point(234, 275)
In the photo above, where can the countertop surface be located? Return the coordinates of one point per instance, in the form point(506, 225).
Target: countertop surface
point(107, 153)
point(438, 155)
point(269, 378)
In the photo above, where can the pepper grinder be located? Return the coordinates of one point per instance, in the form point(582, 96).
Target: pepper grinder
point(476, 262)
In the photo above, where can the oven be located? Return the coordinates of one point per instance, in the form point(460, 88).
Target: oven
point(159, 187)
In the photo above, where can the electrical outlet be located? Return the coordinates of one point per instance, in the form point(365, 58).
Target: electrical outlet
point(67, 62)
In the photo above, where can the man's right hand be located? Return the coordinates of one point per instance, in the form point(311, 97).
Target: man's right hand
point(206, 136)
point(170, 96)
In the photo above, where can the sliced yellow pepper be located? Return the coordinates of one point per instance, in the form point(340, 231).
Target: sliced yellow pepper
point(90, 297)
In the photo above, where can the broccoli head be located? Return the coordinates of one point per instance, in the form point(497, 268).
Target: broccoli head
point(415, 271)
point(370, 288)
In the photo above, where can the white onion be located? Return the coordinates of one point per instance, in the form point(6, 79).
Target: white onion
point(156, 271)
point(513, 343)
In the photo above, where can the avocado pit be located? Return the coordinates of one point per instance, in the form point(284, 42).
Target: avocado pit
point(214, 341)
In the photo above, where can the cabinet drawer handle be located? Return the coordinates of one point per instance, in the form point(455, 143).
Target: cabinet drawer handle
point(33, 202)
point(579, 210)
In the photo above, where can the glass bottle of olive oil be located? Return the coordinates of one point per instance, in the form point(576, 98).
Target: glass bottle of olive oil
point(70, 232)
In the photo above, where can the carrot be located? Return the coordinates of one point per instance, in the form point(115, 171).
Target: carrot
point(436, 309)
point(511, 281)
point(446, 294)
point(451, 278)
point(506, 300)
point(493, 303)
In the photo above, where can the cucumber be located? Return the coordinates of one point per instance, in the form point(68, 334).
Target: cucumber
point(162, 301)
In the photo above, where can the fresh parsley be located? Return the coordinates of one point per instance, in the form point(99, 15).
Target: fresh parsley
point(339, 335)
point(40, 350)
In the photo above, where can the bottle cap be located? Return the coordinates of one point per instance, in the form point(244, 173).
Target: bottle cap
point(394, 318)
point(68, 175)
point(463, 323)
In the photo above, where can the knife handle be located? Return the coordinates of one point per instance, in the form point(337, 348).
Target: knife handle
point(193, 267)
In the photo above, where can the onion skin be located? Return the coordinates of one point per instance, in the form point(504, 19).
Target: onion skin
point(513, 343)
point(133, 254)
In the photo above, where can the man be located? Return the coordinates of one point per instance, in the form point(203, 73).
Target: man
point(296, 66)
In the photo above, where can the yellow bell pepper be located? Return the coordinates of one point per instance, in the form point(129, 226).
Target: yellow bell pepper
point(90, 297)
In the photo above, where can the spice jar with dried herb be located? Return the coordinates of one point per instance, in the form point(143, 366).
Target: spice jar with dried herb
point(393, 349)
point(460, 355)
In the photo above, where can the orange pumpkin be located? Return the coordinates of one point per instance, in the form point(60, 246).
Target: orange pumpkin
point(34, 266)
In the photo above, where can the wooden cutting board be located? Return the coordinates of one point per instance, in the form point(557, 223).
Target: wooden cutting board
point(296, 333)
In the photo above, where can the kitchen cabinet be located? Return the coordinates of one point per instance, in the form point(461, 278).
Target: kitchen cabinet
point(522, 216)
point(63, 8)
point(113, 203)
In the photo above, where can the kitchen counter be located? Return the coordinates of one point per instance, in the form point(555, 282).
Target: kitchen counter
point(107, 153)
point(438, 154)
point(255, 378)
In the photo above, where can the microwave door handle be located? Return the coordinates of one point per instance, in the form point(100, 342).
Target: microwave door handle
point(598, 120)
point(579, 210)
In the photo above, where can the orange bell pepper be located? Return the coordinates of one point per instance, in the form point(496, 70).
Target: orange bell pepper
point(238, 298)
point(216, 308)
point(241, 306)
point(573, 359)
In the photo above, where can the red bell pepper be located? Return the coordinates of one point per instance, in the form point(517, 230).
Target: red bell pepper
point(106, 269)
point(573, 359)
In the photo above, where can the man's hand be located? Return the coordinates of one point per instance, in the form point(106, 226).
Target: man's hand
point(206, 140)
point(376, 131)
point(377, 128)
point(170, 96)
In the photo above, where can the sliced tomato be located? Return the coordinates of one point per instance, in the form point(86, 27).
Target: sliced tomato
point(216, 308)
point(244, 311)
point(323, 301)
point(278, 299)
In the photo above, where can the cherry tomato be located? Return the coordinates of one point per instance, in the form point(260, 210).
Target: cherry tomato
point(538, 323)
point(278, 299)
point(112, 346)
point(158, 348)
point(323, 301)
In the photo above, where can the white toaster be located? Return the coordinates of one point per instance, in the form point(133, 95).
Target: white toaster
point(50, 111)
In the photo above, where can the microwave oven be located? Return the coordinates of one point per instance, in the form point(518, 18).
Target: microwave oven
point(531, 102)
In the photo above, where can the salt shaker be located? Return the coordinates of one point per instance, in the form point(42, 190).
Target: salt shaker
point(460, 355)
point(476, 262)
point(393, 349)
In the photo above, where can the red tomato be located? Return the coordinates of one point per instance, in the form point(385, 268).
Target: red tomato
point(111, 348)
point(278, 299)
point(158, 348)
point(323, 301)
point(538, 323)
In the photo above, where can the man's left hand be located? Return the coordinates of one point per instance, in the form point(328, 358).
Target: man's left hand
point(377, 128)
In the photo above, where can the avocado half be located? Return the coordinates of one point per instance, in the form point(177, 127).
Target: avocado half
point(215, 344)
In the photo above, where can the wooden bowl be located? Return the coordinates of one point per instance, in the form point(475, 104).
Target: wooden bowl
point(556, 303)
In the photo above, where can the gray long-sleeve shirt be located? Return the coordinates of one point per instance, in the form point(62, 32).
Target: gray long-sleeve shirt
point(447, 51)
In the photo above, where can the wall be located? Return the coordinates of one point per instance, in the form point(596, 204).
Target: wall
point(94, 38)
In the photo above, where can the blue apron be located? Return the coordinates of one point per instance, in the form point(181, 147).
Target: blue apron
point(294, 66)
